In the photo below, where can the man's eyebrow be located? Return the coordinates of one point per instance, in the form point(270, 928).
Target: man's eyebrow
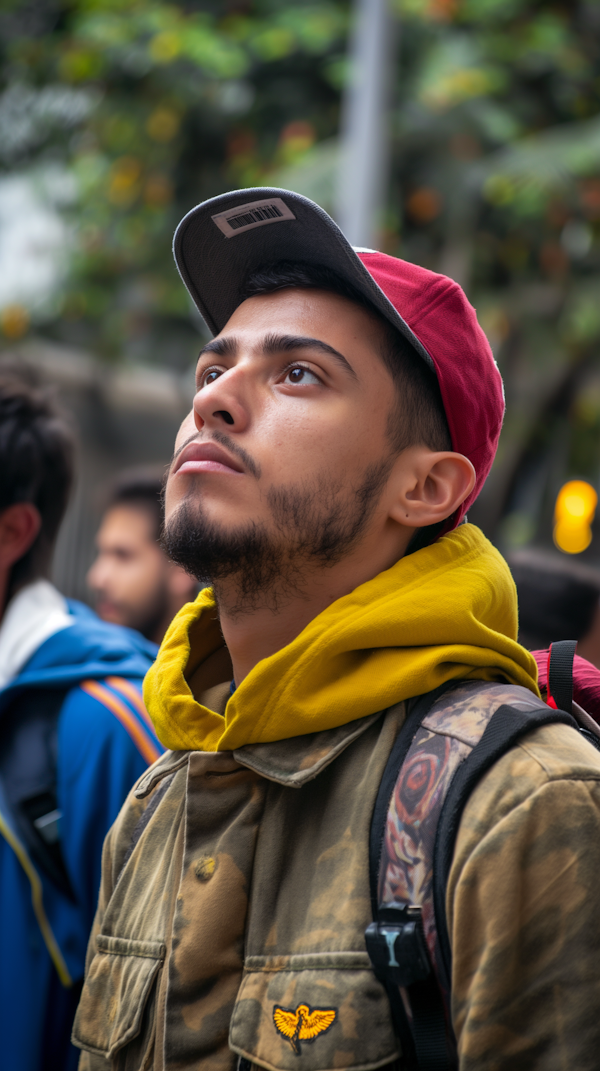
point(287, 343)
point(221, 347)
point(272, 344)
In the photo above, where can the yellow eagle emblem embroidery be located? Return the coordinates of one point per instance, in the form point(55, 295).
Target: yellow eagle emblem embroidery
point(302, 1024)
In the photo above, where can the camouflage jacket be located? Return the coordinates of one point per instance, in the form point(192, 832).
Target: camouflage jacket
point(234, 928)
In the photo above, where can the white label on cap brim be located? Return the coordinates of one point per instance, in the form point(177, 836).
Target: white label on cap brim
point(255, 214)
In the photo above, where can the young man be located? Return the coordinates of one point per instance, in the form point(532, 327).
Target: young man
point(347, 412)
point(74, 736)
point(132, 579)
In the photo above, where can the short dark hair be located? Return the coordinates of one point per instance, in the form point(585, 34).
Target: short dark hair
point(37, 462)
point(557, 597)
point(419, 418)
point(140, 488)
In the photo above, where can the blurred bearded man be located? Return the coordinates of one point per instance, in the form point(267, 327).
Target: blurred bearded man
point(133, 581)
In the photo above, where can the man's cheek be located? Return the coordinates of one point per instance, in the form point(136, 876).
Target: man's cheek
point(187, 428)
point(170, 498)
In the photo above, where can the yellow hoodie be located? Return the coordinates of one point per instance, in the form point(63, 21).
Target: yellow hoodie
point(447, 611)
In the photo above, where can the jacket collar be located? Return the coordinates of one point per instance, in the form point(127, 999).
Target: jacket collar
point(292, 762)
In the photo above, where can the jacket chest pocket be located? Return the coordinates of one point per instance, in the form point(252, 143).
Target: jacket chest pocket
point(309, 1012)
point(115, 1018)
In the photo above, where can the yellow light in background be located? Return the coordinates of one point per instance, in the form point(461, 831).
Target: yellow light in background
point(576, 501)
point(573, 515)
point(572, 538)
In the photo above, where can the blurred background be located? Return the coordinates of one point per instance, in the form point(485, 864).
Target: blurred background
point(460, 134)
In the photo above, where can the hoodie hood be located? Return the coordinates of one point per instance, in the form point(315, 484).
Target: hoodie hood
point(88, 649)
point(446, 612)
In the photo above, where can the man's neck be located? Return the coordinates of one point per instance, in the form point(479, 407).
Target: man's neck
point(254, 634)
point(273, 620)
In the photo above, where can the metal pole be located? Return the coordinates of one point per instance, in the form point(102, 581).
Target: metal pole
point(364, 149)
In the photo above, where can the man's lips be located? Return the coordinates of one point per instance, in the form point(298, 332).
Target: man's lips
point(206, 457)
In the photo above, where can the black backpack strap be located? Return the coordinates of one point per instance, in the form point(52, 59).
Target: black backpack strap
point(400, 959)
point(28, 775)
point(560, 689)
point(395, 940)
point(560, 673)
point(505, 729)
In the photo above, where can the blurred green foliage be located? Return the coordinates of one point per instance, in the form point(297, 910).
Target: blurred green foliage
point(152, 107)
point(497, 182)
point(149, 107)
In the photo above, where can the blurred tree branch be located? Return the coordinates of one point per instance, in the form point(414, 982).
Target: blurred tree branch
point(146, 108)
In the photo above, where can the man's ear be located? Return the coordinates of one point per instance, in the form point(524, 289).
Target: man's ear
point(430, 486)
point(19, 527)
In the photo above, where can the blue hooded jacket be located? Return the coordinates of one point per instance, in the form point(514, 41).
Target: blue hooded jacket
point(105, 742)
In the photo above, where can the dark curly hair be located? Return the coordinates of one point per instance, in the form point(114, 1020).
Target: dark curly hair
point(37, 458)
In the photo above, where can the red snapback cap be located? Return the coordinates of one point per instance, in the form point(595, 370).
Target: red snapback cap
point(438, 312)
point(223, 240)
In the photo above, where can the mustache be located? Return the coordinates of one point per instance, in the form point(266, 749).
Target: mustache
point(234, 448)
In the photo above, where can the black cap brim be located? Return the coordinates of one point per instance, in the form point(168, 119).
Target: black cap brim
point(221, 242)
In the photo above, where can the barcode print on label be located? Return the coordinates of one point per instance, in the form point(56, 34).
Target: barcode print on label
point(246, 217)
point(268, 212)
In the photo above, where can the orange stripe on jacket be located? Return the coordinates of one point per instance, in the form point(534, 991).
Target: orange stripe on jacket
point(144, 744)
point(126, 688)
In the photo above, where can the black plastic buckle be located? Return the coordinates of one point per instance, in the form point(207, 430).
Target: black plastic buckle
point(397, 947)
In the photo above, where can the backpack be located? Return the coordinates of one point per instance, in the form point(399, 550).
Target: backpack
point(28, 778)
point(400, 939)
point(29, 764)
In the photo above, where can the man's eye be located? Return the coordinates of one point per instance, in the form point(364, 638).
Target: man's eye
point(300, 375)
point(209, 377)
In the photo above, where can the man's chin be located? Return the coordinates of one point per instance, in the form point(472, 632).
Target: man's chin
point(212, 551)
point(199, 512)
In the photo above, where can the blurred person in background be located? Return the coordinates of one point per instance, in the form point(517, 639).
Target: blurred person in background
point(133, 581)
point(74, 736)
point(559, 599)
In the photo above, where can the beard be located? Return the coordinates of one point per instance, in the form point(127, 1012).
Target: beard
point(264, 565)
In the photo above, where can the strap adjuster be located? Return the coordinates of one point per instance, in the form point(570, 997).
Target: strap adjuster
point(397, 947)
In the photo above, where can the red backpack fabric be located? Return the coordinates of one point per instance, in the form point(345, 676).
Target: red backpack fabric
point(586, 682)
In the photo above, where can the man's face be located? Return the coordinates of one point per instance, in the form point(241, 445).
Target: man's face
point(129, 575)
point(285, 451)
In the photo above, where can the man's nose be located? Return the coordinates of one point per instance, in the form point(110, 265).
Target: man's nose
point(223, 403)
